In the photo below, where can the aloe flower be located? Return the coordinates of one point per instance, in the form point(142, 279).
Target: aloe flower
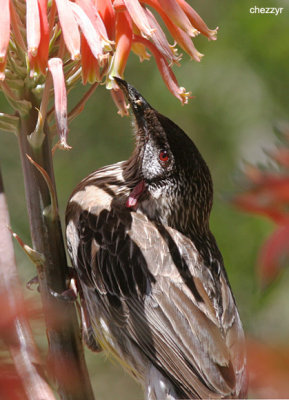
point(267, 194)
point(93, 39)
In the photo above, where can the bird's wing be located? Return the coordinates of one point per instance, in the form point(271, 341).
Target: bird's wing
point(155, 288)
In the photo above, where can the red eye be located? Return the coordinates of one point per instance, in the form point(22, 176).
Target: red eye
point(164, 156)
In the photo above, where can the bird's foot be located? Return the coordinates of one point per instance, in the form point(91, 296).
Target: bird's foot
point(69, 294)
point(32, 282)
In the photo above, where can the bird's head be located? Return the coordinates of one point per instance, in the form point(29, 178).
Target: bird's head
point(172, 182)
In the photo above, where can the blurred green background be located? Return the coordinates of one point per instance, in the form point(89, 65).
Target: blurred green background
point(241, 93)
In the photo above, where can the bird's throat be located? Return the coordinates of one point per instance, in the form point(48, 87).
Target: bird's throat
point(135, 194)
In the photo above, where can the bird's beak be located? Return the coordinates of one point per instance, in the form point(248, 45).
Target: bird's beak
point(138, 105)
point(137, 102)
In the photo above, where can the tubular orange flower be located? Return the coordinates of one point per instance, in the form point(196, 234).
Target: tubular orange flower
point(138, 16)
point(4, 34)
point(90, 10)
point(69, 28)
point(123, 41)
point(177, 16)
point(197, 21)
point(33, 27)
point(183, 40)
point(92, 37)
point(160, 40)
point(181, 36)
point(167, 74)
point(107, 14)
point(90, 65)
point(38, 61)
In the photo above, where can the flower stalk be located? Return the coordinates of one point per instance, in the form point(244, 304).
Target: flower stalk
point(65, 350)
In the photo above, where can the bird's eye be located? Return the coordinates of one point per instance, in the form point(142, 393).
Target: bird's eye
point(164, 156)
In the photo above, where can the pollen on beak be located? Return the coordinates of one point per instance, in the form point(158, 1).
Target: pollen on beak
point(136, 100)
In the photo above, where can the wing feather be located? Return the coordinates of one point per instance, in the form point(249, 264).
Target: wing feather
point(149, 285)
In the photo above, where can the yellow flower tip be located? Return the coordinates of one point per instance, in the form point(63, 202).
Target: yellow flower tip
point(76, 56)
point(33, 74)
point(176, 60)
point(193, 32)
point(110, 82)
point(213, 34)
point(184, 96)
point(144, 57)
point(32, 51)
point(2, 58)
point(200, 55)
point(197, 56)
point(62, 145)
point(152, 31)
point(102, 59)
point(107, 46)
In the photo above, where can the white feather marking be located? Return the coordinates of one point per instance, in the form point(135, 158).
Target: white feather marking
point(72, 240)
point(92, 195)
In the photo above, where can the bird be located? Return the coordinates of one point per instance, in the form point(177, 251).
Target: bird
point(154, 290)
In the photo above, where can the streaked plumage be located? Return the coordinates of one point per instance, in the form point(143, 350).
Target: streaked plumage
point(154, 289)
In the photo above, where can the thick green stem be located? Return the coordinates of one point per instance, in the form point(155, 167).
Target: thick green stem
point(65, 347)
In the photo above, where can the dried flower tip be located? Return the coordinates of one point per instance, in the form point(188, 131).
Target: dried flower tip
point(60, 99)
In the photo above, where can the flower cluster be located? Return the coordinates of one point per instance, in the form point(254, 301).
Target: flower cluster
point(267, 194)
point(89, 40)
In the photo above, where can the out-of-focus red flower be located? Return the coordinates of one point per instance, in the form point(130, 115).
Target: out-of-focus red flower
point(268, 370)
point(94, 39)
point(267, 194)
point(274, 254)
point(11, 385)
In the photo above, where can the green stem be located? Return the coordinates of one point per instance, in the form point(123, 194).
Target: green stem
point(65, 347)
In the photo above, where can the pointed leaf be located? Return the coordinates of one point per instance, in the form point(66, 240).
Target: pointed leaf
point(46, 177)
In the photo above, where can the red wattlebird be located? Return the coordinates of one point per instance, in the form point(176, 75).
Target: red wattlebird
point(153, 285)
